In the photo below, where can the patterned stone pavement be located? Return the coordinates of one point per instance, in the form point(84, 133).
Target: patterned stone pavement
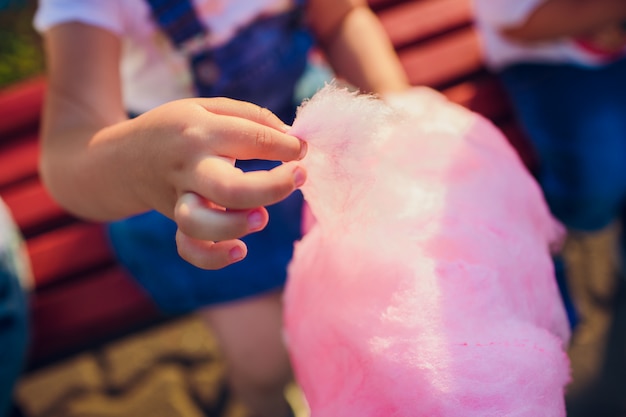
point(172, 370)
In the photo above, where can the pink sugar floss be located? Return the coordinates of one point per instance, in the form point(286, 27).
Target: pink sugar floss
point(425, 285)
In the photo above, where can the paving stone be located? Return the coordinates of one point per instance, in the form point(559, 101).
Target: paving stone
point(161, 393)
point(43, 390)
point(206, 381)
point(296, 399)
point(235, 409)
point(173, 370)
point(186, 339)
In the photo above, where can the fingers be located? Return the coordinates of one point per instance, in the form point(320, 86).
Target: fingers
point(207, 232)
point(243, 110)
point(227, 203)
point(198, 220)
point(251, 132)
point(207, 254)
point(230, 187)
point(207, 236)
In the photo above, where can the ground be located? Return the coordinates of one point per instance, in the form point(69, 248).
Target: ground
point(170, 370)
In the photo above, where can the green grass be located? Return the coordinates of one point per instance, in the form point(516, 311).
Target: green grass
point(21, 55)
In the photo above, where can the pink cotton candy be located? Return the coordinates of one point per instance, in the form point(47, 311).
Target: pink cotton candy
point(425, 287)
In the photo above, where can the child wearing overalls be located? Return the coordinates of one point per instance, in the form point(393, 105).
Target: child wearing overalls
point(562, 64)
point(248, 51)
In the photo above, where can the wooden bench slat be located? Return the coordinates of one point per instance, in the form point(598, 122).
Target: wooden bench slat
point(18, 159)
point(77, 313)
point(65, 252)
point(443, 60)
point(33, 208)
point(21, 106)
point(410, 22)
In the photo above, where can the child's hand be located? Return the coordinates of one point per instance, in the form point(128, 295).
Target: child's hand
point(186, 171)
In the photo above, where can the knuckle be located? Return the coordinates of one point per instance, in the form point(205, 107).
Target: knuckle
point(192, 139)
point(182, 219)
point(265, 114)
point(262, 139)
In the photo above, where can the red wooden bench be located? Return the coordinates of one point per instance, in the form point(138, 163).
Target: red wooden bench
point(81, 295)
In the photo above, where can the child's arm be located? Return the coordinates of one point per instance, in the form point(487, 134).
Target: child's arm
point(357, 45)
point(100, 165)
point(555, 19)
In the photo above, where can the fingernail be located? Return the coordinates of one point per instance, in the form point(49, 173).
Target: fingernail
point(303, 148)
point(286, 128)
point(235, 254)
point(255, 220)
point(299, 176)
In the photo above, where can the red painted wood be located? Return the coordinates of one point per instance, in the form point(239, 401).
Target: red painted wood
point(18, 159)
point(82, 311)
point(413, 21)
point(444, 59)
point(33, 208)
point(21, 106)
point(65, 252)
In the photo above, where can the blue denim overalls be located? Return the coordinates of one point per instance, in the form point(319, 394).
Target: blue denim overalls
point(576, 118)
point(261, 64)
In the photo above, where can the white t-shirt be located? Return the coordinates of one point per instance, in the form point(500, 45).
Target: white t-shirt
point(493, 15)
point(144, 47)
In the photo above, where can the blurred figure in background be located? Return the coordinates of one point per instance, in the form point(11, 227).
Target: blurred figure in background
point(171, 166)
point(563, 64)
point(15, 276)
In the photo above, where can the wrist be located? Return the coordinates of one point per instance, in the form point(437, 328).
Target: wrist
point(120, 163)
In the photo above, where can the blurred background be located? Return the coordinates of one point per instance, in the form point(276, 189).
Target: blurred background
point(20, 48)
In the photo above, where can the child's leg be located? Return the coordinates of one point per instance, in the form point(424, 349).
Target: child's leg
point(576, 119)
point(250, 336)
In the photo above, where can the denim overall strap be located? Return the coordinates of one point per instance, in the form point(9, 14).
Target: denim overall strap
point(178, 19)
point(261, 64)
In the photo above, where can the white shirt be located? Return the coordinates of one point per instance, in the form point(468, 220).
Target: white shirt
point(493, 15)
point(144, 47)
